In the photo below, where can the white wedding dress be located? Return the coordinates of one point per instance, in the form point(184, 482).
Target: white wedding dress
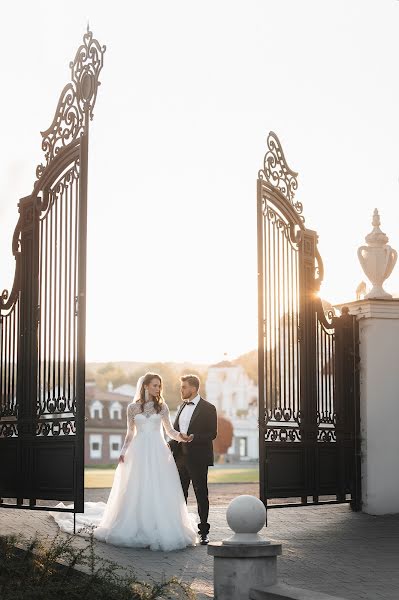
point(146, 506)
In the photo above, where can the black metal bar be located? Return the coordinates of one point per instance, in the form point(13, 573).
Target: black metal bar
point(75, 296)
point(286, 286)
point(323, 370)
point(278, 314)
point(24, 507)
point(297, 331)
point(300, 505)
point(8, 355)
point(60, 249)
point(331, 374)
point(81, 348)
point(291, 350)
point(12, 400)
point(261, 344)
point(40, 344)
point(55, 290)
point(274, 321)
point(70, 294)
point(269, 317)
point(65, 296)
point(50, 300)
point(44, 259)
point(2, 400)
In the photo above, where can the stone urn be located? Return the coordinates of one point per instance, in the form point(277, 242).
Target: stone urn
point(377, 259)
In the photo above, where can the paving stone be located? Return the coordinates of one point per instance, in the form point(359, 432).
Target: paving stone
point(325, 548)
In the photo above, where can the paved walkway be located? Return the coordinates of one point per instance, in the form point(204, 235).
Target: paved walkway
point(325, 548)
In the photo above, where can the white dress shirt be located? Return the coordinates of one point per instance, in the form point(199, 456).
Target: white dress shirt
point(187, 413)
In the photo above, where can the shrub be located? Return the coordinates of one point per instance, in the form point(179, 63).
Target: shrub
point(56, 569)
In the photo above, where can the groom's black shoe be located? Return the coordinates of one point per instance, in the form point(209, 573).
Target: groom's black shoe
point(204, 539)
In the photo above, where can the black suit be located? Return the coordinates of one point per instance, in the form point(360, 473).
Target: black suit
point(193, 458)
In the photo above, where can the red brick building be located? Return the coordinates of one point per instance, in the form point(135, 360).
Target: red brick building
point(105, 424)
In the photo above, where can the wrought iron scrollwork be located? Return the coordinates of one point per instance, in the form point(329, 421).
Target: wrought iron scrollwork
point(56, 428)
point(283, 414)
point(326, 435)
point(8, 430)
point(288, 229)
point(58, 405)
point(325, 317)
point(277, 172)
point(328, 418)
point(63, 184)
point(283, 434)
point(77, 100)
point(283, 425)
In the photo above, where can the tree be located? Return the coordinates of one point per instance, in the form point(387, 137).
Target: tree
point(224, 438)
point(249, 362)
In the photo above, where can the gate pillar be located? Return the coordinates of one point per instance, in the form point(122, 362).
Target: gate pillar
point(379, 403)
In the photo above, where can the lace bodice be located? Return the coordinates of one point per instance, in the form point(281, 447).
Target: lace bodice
point(134, 410)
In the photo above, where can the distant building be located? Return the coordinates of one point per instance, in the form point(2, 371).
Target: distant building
point(105, 425)
point(126, 390)
point(235, 396)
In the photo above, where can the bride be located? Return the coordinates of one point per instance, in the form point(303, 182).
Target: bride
point(146, 506)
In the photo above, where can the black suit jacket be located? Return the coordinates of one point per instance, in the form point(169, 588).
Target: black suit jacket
point(203, 426)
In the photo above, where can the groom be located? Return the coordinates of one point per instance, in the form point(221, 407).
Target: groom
point(196, 418)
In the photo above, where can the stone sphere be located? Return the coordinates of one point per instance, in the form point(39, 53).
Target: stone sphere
point(246, 514)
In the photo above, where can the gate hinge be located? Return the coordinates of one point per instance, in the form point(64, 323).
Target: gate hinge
point(76, 305)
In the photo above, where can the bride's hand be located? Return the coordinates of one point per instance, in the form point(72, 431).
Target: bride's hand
point(186, 438)
point(121, 458)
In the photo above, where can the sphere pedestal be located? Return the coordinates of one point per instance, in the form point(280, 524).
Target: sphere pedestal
point(245, 565)
point(240, 568)
point(246, 559)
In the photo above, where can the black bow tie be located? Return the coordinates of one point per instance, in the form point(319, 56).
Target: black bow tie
point(188, 403)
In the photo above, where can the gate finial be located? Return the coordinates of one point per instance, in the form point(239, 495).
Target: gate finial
point(77, 100)
point(277, 172)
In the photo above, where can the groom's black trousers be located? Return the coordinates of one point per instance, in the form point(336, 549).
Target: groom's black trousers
point(197, 474)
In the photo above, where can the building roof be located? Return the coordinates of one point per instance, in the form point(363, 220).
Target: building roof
point(125, 390)
point(105, 396)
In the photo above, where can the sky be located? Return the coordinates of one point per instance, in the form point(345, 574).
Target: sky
point(189, 93)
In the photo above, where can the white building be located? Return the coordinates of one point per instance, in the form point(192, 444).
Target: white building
point(235, 396)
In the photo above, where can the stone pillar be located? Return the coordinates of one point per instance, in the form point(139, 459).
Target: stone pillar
point(379, 403)
point(246, 560)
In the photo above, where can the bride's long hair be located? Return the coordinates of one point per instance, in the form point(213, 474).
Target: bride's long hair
point(158, 400)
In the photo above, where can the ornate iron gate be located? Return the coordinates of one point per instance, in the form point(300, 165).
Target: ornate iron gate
point(308, 375)
point(42, 319)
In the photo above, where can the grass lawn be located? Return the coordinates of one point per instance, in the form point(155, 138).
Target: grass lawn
point(102, 478)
